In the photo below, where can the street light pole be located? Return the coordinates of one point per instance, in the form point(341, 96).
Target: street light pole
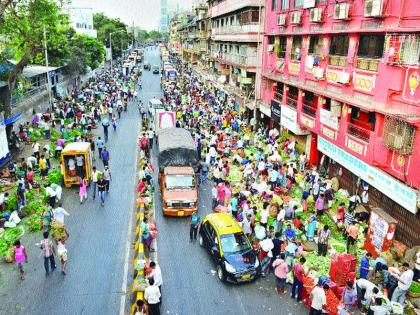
point(110, 47)
point(47, 65)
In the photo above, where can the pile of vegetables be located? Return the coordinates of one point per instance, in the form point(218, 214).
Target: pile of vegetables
point(58, 231)
point(54, 177)
point(8, 238)
point(320, 264)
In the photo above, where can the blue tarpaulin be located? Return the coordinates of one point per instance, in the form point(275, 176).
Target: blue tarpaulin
point(11, 120)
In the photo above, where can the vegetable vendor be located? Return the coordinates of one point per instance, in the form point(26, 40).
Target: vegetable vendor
point(310, 229)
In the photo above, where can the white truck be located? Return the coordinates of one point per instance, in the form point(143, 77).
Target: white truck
point(160, 118)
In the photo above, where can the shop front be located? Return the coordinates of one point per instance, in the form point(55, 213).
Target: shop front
point(275, 114)
point(288, 121)
point(385, 191)
point(264, 115)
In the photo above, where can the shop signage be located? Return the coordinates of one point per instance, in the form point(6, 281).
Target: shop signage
point(328, 120)
point(364, 83)
point(332, 75)
point(411, 90)
point(294, 67)
point(288, 119)
point(275, 111)
point(308, 122)
point(355, 146)
point(328, 132)
point(265, 109)
point(393, 188)
point(280, 64)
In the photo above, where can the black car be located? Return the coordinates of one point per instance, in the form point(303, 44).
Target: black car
point(146, 65)
point(235, 259)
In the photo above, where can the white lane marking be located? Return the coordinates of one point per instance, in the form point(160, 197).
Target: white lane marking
point(127, 246)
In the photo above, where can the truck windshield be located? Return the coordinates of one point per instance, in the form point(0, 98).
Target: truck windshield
point(179, 181)
point(233, 243)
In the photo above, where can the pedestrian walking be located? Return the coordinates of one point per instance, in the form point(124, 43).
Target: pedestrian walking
point(150, 136)
point(48, 252)
point(141, 308)
point(297, 285)
point(152, 296)
point(95, 174)
point(35, 149)
point(20, 257)
point(194, 225)
point(114, 123)
point(105, 125)
point(319, 299)
point(105, 156)
point(59, 213)
point(92, 149)
point(100, 144)
point(82, 189)
point(280, 271)
point(107, 178)
point(323, 237)
point(62, 253)
point(101, 189)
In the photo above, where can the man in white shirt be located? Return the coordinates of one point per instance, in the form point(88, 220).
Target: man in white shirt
point(59, 213)
point(371, 291)
point(280, 219)
point(318, 299)
point(404, 283)
point(157, 276)
point(31, 161)
point(152, 296)
point(379, 308)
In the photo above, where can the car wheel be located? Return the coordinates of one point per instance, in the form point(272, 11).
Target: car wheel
point(220, 273)
point(201, 240)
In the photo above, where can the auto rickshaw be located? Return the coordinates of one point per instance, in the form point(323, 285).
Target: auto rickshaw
point(71, 153)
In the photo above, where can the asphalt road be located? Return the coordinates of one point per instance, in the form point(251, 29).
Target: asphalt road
point(190, 285)
point(94, 283)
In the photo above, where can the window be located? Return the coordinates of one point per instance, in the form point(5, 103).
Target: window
point(284, 4)
point(274, 5)
point(403, 48)
point(339, 45)
point(281, 43)
point(298, 3)
point(371, 46)
point(315, 45)
point(296, 52)
point(255, 16)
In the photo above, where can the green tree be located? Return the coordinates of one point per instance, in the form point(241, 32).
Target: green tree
point(120, 37)
point(85, 52)
point(23, 28)
point(155, 35)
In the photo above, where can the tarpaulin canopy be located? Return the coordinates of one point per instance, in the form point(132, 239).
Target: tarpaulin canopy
point(11, 120)
point(176, 148)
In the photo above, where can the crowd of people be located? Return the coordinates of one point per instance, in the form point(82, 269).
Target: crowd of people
point(74, 118)
point(261, 197)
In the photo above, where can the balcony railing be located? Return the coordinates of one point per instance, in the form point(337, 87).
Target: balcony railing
point(309, 110)
point(291, 101)
point(236, 29)
point(359, 132)
point(335, 60)
point(368, 64)
point(237, 59)
point(278, 96)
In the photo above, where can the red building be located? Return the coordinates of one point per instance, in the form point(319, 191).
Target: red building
point(343, 77)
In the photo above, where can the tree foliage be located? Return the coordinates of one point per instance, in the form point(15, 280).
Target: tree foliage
point(23, 28)
point(104, 25)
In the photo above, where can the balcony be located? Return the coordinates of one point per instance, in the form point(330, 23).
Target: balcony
point(278, 96)
point(368, 64)
point(309, 110)
point(336, 60)
point(228, 6)
point(236, 29)
point(291, 101)
point(360, 131)
point(247, 61)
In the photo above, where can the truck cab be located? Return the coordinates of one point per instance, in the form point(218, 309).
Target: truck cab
point(179, 190)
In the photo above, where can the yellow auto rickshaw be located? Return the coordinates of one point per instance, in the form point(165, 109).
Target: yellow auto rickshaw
point(76, 162)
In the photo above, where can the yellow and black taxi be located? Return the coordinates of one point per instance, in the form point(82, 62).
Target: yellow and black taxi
point(235, 258)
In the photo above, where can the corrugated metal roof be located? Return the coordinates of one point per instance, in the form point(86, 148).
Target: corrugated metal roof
point(34, 70)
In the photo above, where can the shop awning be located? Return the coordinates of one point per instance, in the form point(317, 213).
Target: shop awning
point(11, 120)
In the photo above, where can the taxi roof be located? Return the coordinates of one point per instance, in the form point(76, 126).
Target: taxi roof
point(224, 223)
point(76, 147)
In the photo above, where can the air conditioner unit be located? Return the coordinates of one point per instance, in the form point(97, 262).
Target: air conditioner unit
point(318, 72)
point(296, 17)
point(341, 11)
point(335, 110)
point(271, 48)
point(315, 15)
point(281, 19)
point(373, 8)
point(343, 78)
point(395, 141)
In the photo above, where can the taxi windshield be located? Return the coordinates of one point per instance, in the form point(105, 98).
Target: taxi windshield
point(233, 243)
point(179, 181)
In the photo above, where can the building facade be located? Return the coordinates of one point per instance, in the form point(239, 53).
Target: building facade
point(82, 21)
point(235, 57)
point(164, 17)
point(342, 77)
